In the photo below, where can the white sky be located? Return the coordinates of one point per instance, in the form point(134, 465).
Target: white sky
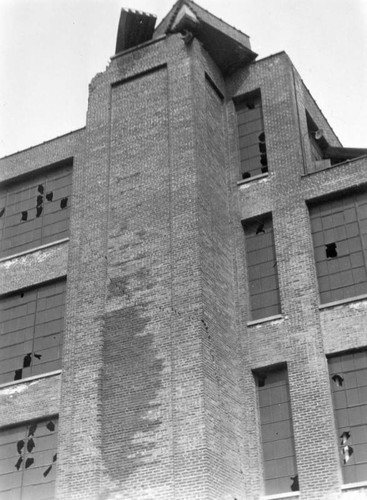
point(51, 49)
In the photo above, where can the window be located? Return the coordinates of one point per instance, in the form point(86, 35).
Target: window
point(339, 231)
point(348, 379)
point(31, 331)
point(262, 267)
point(251, 136)
point(35, 211)
point(280, 469)
point(28, 456)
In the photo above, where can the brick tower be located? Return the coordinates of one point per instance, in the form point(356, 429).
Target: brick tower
point(185, 293)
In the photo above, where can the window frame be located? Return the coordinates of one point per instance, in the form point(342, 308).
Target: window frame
point(31, 211)
point(262, 224)
point(278, 400)
point(32, 326)
point(343, 276)
point(29, 449)
point(248, 137)
point(344, 392)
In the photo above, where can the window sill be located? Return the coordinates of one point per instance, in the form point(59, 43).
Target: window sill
point(343, 301)
point(250, 179)
point(350, 486)
point(280, 496)
point(30, 379)
point(264, 320)
point(35, 249)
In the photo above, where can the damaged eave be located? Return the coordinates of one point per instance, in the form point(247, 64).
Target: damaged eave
point(343, 154)
point(228, 47)
point(227, 53)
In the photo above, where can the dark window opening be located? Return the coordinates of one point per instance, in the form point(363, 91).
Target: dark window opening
point(339, 232)
point(264, 160)
point(47, 471)
point(32, 429)
point(350, 411)
point(261, 267)
point(2, 211)
point(345, 436)
point(31, 332)
point(20, 445)
point(251, 135)
point(30, 445)
point(338, 379)
point(277, 439)
point(26, 201)
point(262, 147)
point(295, 483)
point(331, 252)
point(27, 360)
point(50, 426)
point(64, 203)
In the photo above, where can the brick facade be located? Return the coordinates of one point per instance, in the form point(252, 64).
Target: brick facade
point(157, 398)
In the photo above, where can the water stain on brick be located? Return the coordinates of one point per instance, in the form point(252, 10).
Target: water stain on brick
point(131, 381)
point(117, 286)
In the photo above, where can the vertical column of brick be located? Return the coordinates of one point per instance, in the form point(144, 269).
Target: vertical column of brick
point(303, 347)
point(221, 342)
point(190, 468)
point(79, 447)
point(137, 350)
point(251, 460)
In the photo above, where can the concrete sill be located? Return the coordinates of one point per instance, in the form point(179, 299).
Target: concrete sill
point(264, 320)
point(30, 379)
point(350, 486)
point(35, 249)
point(250, 179)
point(280, 496)
point(343, 301)
point(345, 162)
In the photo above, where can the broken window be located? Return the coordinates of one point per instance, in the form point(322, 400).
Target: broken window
point(251, 135)
point(28, 471)
point(280, 468)
point(339, 231)
point(31, 331)
point(29, 217)
point(262, 268)
point(348, 380)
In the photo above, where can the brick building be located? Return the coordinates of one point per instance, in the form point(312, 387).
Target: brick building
point(199, 251)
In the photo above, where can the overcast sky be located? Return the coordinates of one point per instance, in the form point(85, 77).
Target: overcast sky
point(51, 49)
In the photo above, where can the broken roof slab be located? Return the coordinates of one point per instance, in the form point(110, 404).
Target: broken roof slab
point(228, 47)
point(135, 27)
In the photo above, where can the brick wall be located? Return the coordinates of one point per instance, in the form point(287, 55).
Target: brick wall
point(301, 338)
point(158, 398)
